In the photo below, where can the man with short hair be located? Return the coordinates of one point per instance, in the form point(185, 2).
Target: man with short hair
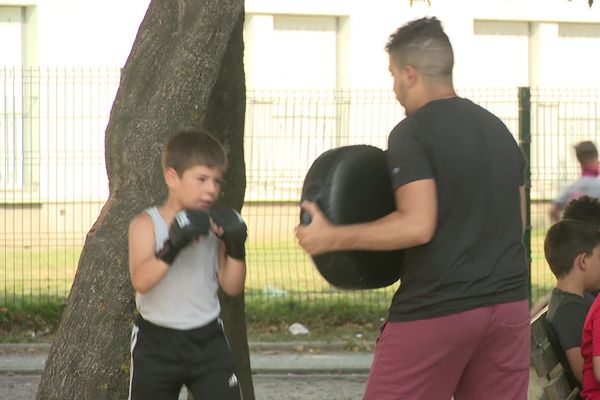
point(459, 323)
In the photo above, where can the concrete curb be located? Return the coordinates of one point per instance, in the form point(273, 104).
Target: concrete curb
point(299, 346)
point(305, 363)
point(6, 348)
point(265, 358)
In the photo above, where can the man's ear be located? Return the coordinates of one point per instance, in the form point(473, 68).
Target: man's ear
point(411, 75)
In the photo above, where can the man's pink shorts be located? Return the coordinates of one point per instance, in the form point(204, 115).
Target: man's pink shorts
point(473, 355)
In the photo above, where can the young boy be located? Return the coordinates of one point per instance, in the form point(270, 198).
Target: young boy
point(588, 184)
point(571, 249)
point(179, 254)
point(585, 209)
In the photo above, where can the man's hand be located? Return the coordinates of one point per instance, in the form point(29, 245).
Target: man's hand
point(318, 236)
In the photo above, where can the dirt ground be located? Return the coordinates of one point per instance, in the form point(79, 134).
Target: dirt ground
point(266, 387)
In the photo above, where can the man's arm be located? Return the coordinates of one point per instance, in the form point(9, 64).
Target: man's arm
point(412, 223)
point(523, 207)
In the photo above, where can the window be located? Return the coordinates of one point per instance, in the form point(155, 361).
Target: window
point(11, 99)
point(19, 112)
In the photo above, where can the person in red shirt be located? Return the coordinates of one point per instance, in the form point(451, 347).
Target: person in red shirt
point(590, 342)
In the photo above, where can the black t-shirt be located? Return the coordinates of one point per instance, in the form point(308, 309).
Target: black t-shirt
point(564, 324)
point(566, 316)
point(476, 257)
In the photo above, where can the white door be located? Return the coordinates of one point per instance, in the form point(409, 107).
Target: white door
point(303, 52)
point(292, 116)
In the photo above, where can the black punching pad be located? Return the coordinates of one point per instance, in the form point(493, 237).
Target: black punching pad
point(351, 184)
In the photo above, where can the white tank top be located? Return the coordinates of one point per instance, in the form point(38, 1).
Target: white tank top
point(186, 297)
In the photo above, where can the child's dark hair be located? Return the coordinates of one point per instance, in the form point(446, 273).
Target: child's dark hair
point(586, 151)
point(585, 209)
point(567, 239)
point(188, 148)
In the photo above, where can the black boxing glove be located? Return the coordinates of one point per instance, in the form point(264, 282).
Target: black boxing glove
point(234, 233)
point(187, 226)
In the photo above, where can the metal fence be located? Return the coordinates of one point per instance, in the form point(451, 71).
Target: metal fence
point(53, 179)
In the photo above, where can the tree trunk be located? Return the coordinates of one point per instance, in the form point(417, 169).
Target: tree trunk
point(185, 70)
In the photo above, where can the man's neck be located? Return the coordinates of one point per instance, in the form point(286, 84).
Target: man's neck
point(440, 92)
point(437, 91)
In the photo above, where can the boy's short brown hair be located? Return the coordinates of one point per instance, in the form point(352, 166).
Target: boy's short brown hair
point(189, 148)
point(586, 151)
point(567, 239)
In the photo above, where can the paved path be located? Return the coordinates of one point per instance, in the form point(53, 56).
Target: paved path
point(30, 359)
point(279, 371)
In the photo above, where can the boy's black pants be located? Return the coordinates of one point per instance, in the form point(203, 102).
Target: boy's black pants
point(163, 360)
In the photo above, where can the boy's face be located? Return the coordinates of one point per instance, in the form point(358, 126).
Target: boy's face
point(198, 187)
point(593, 269)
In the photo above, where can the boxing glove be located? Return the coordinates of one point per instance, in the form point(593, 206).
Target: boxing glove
point(187, 226)
point(234, 233)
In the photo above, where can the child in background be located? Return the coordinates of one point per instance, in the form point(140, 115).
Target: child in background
point(588, 184)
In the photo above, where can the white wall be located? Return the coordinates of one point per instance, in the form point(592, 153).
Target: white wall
point(496, 42)
point(291, 51)
point(66, 108)
point(100, 33)
point(87, 32)
point(10, 32)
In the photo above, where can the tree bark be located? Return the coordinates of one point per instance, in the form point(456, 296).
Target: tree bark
point(185, 70)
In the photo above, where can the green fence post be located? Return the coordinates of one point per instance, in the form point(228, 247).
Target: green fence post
point(525, 145)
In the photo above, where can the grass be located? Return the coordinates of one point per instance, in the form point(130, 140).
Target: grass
point(282, 287)
point(275, 267)
point(354, 324)
point(282, 265)
point(30, 323)
point(30, 276)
